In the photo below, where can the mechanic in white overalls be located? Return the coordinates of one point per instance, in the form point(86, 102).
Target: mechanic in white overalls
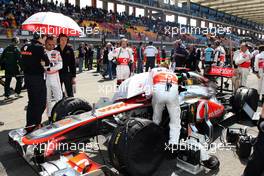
point(54, 90)
point(220, 54)
point(122, 56)
point(243, 61)
point(259, 68)
point(162, 85)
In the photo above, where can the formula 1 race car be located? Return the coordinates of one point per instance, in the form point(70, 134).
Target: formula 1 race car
point(128, 118)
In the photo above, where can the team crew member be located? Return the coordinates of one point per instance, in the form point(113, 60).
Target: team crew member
point(11, 62)
point(68, 71)
point(208, 55)
point(122, 56)
point(53, 79)
point(255, 164)
point(150, 52)
point(220, 54)
point(259, 68)
point(242, 60)
point(34, 59)
point(162, 85)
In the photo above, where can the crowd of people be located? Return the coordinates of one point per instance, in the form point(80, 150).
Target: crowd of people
point(17, 11)
point(48, 66)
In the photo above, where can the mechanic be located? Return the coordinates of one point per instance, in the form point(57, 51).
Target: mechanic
point(122, 56)
point(68, 71)
point(11, 62)
point(259, 69)
point(220, 54)
point(53, 84)
point(178, 55)
point(243, 61)
point(208, 55)
point(34, 59)
point(255, 164)
point(162, 86)
point(150, 52)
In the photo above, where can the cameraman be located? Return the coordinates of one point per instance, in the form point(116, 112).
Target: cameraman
point(255, 165)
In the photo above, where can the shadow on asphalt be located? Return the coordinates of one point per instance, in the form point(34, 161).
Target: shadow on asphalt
point(13, 164)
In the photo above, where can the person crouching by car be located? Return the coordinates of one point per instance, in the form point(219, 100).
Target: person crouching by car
point(68, 71)
point(122, 56)
point(53, 79)
point(255, 164)
point(162, 86)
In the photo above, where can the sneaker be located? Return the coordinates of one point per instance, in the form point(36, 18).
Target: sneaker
point(2, 123)
point(18, 95)
point(7, 98)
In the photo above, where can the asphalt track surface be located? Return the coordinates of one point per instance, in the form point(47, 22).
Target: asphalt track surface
point(91, 87)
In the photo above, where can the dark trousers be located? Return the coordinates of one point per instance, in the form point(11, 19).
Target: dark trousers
point(90, 63)
point(37, 95)
point(86, 62)
point(139, 66)
point(150, 63)
point(255, 164)
point(18, 88)
point(66, 80)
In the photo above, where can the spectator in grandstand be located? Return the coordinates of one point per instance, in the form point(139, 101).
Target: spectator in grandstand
point(68, 71)
point(122, 56)
point(81, 55)
point(10, 61)
point(243, 61)
point(220, 54)
point(140, 58)
point(150, 52)
point(208, 55)
point(179, 55)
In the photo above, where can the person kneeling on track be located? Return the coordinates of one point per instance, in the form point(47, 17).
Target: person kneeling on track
point(53, 84)
point(162, 85)
point(255, 164)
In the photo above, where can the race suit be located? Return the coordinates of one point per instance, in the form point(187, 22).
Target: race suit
point(220, 55)
point(162, 84)
point(259, 66)
point(54, 90)
point(243, 61)
point(122, 57)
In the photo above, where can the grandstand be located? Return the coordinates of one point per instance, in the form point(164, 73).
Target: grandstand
point(142, 20)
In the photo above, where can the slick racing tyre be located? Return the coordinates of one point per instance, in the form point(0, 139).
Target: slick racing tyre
point(242, 96)
point(69, 106)
point(136, 148)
